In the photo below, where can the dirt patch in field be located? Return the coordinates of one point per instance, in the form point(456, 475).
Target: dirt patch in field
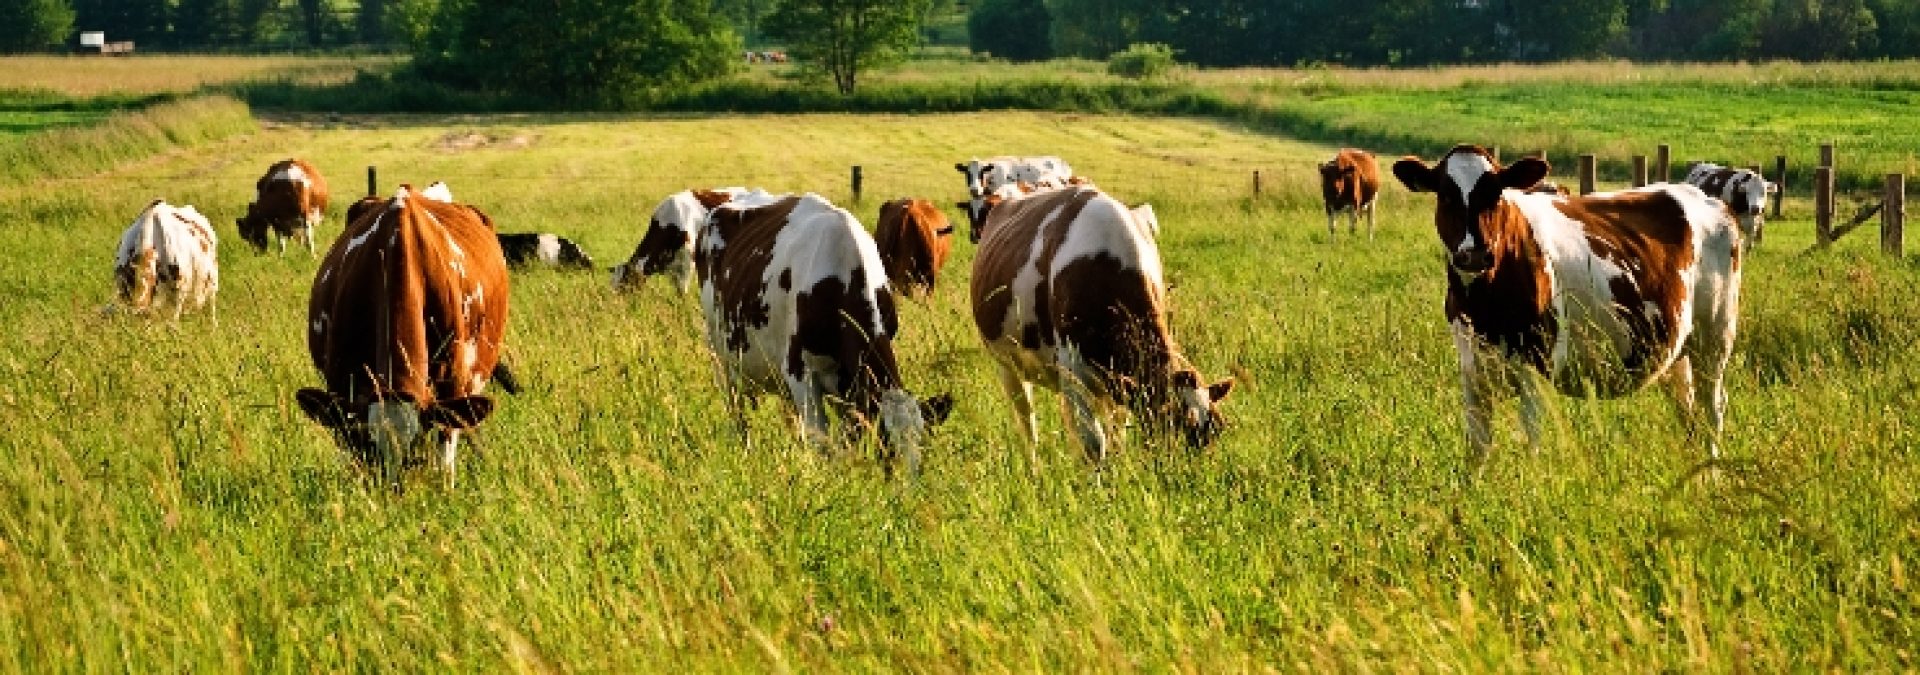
point(461, 141)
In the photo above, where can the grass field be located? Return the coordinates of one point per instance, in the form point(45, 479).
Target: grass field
point(168, 508)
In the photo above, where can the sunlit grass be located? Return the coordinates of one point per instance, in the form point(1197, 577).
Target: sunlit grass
point(167, 508)
point(84, 76)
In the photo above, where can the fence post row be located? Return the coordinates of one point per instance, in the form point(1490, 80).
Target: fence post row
point(856, 182)
point(1894, 215)
point(1823, 202)
point(1586, 174)
point(1779, 183)
point(1662, 159)
point(1639, 171)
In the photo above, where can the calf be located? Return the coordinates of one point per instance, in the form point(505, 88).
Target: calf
point(914, 239)
point(797, 303)
point(405, 325)
point(1348, 184)
point(168, 260)
point(1744, 191)
point(289, 201)
point(667, 246)
point(1600, 294)
point(527, 248)
point(1068, 292)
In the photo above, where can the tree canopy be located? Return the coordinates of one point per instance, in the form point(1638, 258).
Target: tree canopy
point(843, 38)
point(576, 50)
point(27, 25)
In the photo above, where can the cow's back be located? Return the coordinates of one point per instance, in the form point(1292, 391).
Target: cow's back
point(913, 238)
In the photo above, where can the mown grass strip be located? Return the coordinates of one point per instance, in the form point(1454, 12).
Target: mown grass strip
point(122, 137)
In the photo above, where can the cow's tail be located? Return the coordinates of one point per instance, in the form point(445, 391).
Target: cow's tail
point(503, 376)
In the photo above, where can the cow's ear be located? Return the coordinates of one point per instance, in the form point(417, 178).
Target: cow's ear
point(463, 413)
point(1414, 174)
point(322, 406)
point(1218, 391)
point(710, 199)
point(960, 167)
point(936, 409)
point(482, 215)
point(1525, 174)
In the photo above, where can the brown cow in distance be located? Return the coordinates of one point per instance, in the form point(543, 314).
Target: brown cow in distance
point(289, 202)
point(1348, 184)
point(914, 239)
point(405, 325)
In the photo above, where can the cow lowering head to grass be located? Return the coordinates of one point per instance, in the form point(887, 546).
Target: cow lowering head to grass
point(1600, 294)
point(168, 260)
point(914, 238)
point(667, 245)
point(290, 201)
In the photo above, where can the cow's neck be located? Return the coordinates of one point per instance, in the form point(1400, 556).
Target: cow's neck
point(1510, 305)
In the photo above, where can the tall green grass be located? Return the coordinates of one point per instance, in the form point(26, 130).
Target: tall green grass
point(121, 138)
point(166, 507)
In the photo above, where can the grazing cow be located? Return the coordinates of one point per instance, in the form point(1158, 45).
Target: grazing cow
point(1348, 184)
point(527, 248)
point(998, 175)
point(1744, 191)
point(667, 245)
point(797, 303)
point(1068, 292)
point(168, 259)
point(405, 326)
point(289, 201)
point(1601, 294)
point(914, 239)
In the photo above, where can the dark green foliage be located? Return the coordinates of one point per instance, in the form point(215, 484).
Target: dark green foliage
point(842, 38)
point(30, 25)
point(576, 51)
point(1142, 60)
point(1016, 30)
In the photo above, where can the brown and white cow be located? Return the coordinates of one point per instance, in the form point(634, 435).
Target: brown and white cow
point(1601, 294)
point(797, 303)
point(1744, 191)
point(914, 239)
point(168, 260)
point(1068, 292)
point(289, 201)
point(1349, 183)
point(667, 245)
point(405, 325)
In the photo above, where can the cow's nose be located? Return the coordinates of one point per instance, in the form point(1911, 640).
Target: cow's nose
point(1471, 260)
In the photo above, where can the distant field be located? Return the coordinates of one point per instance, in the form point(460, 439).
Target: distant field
point(80, 76)
point(169, 509)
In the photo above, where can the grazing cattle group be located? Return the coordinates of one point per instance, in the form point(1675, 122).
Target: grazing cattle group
point(1594, 296)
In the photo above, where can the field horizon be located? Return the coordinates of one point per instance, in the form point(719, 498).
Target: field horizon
point(171, 509)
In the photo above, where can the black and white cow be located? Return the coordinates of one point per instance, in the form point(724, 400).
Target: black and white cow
point(797, 304)
point(1744, 191)
point(530, 248)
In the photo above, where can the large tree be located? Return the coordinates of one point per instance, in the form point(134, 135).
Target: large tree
point(143, 21)
point(582, 51)
point(30, 25)
point(846, 37)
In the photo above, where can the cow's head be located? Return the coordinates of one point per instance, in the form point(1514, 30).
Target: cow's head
point(364, 206)
point(1469, 186)
point(667, 247)
point(905, 420)
point(254, 227)
point(1197, 408)
point(389, 427)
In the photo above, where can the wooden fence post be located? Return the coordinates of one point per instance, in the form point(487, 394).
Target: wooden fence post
point(1662, 159)
point(1826, 154)
point(1893, 216)
point(1256, 183)
point(856, 183)
point(1586, 174)
point(1779, 183)
point(1639, 170)
point(1823, 203)
point(373, 181)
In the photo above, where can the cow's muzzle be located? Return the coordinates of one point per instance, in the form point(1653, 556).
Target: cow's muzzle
point(1471, 261)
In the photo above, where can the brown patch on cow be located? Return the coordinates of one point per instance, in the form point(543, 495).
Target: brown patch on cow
point(282, 206)
point(739, 272)
point(1115, 318)
point(658, 246)
point(1006, 248)
point(709, 200)
point(830, 322)
point(1647, 235)
point(1350, 180)
point(396, 312)
point(914, 239)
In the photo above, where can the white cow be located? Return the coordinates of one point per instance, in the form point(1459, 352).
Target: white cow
point(168, 261)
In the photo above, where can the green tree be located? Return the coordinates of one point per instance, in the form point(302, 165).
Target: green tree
point(1016, 30)
point(846, 37)
point(1543, 31)
point(581, 51)
point(1095, 29)
point(1820, 30)
point(30, 25)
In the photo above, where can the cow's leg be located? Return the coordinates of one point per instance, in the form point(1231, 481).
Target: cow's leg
point(1533, 401)
point(1476, 394)
point(1353, 221)
point(1680, 388)
point(449, 452)
point(1081, 408)
point(1370, 221)
point(1020, 393)
point(1330, 231)
point(809, 406)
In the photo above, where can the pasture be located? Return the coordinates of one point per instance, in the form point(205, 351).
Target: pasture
point(167, 507)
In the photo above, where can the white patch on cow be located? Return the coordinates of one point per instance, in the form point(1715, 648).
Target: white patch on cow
point(400, 196)
point(291, 173)
point(478, 296)
point(315, 216)
point(548, 249)
point(438, 192)
point(357, 240)
point(180, 239)
point(316, 326)
point(1130, 243)
point(458, 261)
point(1147, 220)
point(1195, 404)
point(1466, 169)
point(1467, 243)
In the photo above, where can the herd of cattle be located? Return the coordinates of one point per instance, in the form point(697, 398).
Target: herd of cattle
point(1597, 295)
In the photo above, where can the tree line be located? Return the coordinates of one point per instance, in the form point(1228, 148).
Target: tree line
point(1426, 32)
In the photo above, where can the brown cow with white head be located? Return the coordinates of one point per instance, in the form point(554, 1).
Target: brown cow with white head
point(1349, 183)
point(914, 239)
point(1068, 292)
point(1600, 294)
point(405, 325)
point(290, 201)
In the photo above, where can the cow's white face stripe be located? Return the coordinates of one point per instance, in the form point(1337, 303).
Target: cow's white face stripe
point(1466, 169)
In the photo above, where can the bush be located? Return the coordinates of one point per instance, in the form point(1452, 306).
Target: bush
point(1142, 60)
